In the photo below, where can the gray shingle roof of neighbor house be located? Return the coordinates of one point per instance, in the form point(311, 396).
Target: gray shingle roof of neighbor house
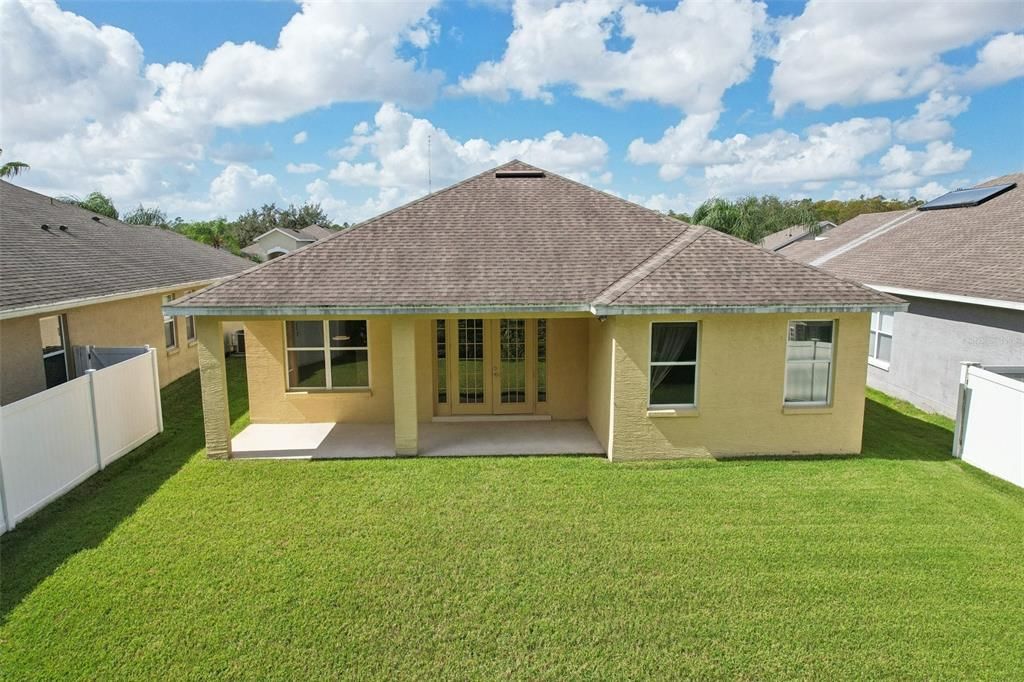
point(519, 238)
point(316, 232)
point(974, 251)
point(777, 240)
point(93, 258)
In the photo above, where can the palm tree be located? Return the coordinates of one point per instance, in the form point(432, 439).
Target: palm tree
point(12, 168)
point(95, 202)
point(146, 216)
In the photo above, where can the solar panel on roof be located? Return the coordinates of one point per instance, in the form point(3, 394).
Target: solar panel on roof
point(966, 197)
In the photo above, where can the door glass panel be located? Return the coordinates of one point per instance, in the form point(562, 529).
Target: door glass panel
point(542, 361)
point(512, 355)
point(471, 361)
point(442, 362)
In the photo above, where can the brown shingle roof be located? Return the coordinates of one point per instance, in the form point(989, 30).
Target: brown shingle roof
point(975, 251)
point(523, 242)
point(91, 258)
point(316, 232)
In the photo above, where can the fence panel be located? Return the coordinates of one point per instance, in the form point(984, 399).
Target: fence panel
point(49, 447)
point(990, 423)
point(127, 411)
point(53, 440)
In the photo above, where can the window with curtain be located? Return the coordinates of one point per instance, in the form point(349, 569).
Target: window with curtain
point(327, 354)
point(170, 328)
point(673, 368)
point(880, 338)
point(809, 362)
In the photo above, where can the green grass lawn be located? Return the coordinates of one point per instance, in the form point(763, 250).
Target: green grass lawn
point(900, 563)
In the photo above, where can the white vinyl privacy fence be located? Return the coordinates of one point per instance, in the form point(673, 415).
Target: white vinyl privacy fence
point(990, 421)
point(52, 441)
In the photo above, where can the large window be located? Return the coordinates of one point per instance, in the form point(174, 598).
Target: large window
point(809, 362)
point(170, 328)
point(53, 331)
point(327, 355)
point(880, 339)
point(673, 364)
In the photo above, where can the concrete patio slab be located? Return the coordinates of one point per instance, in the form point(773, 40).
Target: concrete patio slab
point(436, 439)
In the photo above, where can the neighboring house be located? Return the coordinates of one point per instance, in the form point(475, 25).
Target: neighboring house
point(961, 268)
point(519, 294)
point(72, 277)
point(281, 240)
point(793, 234)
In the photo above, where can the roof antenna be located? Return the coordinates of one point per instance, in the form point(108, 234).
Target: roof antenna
point(428, 165)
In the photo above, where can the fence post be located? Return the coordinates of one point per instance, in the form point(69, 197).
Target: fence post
point(8, 516)
point(156, 388)
point(95, 419)
point(962, 399)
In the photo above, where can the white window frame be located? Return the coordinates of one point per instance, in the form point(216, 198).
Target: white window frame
point(190, 325)
point(831, 367)
point(62, 329)
point(326, 349)
point(876, 329)
point(169, 319)
point(695, 363)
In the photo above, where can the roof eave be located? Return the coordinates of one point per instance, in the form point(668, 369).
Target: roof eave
point(480, 309)
point(886, 307)
point(57, 306)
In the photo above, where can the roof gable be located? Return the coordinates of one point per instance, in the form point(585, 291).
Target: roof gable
point(512, 237)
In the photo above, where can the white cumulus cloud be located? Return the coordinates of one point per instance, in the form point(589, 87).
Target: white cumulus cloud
point(931, 122)
point(854, 52)
point(392, 153)
point(1000, 60)
point(823, 152)
point(80, 105)
point(620, 50)
point(300, 137)
point(302, 168)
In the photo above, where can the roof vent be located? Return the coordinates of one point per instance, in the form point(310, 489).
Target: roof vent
point(45, 226)
point(63, 228)
point(519, 174)
point(966, 197)
point(96, 218)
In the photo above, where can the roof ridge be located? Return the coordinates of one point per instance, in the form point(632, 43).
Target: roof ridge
point(898, 221)
point(650, 264)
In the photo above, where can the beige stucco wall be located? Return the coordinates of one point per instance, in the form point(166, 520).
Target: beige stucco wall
point(740, 391)
point(134, 321)
point(21, 359)
point(271, 403)
point(567, 368)
point(276, 240)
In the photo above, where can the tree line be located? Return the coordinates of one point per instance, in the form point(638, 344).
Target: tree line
point(231, 235)
point(753, 218)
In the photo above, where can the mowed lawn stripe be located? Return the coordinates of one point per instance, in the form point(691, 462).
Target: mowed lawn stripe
point(899, 563)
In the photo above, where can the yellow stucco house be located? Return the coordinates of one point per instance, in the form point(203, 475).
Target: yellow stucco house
point(519, 302)
point(72, 278)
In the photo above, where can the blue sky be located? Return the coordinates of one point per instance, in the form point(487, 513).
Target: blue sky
point(207, 108)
